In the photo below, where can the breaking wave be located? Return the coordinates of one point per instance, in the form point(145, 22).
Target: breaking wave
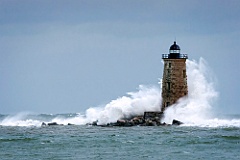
point(197, 108)
point(193, 110)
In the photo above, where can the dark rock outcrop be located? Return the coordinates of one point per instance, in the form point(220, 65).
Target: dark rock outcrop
point(176, 122)
point(52, 124)
point(149, 119)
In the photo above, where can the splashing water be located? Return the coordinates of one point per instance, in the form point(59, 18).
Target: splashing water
point(193, 110)
point(196, 108)
point(136, 103)
point(19, 120)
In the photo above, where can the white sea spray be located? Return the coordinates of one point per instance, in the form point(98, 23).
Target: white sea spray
point(135, 103)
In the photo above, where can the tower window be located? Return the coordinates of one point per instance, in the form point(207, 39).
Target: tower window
point(184, 73)
point(167, 104)
point(169, 65)
point(168, 86)
point(168, 71)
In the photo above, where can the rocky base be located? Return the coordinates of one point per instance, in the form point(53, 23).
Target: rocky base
point(148, 119)
point(138, 121)
point(53, 124)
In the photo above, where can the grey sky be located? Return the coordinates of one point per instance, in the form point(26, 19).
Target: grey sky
point(65, 56)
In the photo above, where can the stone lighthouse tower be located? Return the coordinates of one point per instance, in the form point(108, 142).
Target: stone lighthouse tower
point(174, 82)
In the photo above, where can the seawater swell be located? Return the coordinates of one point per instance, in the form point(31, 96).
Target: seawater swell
point(20, 139)
point(194, 110)
point(88, 142)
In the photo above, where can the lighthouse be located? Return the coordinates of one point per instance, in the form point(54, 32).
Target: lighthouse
point(174, 81)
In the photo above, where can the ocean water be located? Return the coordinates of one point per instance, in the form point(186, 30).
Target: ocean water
point(204, 134)
point(95, 142)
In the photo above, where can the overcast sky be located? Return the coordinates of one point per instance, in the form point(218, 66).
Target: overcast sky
point(65, 56)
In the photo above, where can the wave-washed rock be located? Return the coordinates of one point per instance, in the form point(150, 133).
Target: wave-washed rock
point(138, 121)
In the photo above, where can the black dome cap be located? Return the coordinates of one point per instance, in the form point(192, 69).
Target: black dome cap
point(174, 46)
